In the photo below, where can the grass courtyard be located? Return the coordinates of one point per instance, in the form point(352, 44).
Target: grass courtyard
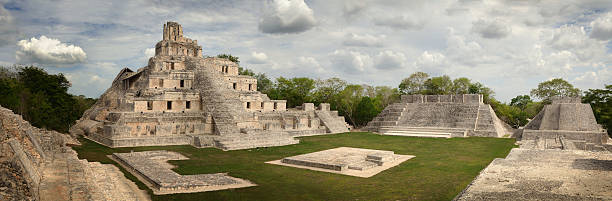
point(441, 169)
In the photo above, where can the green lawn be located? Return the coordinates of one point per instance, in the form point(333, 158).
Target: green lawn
point(440, 170)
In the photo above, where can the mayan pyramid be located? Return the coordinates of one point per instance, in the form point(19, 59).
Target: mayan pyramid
point(180, 97)
point(439, 116)
point(564, 124)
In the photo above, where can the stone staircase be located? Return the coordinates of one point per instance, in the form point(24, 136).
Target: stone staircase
point(485, 124)
point(333, 122)
point(388, 117)
point(248, 141)
point(68, 178)
point(423, 131)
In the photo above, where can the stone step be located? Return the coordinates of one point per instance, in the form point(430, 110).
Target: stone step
point(418, 134)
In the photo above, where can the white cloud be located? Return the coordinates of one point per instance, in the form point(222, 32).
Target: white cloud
point(48, 51)
point(8, 30)
point(284, 16)
point(350, 61)
point(258, 58)
point(310, 63)
point(352, 8)
point(431, 62)
point(365, 40)
point(573, 38)
point(594, 79)
point(387, 60)
point(149, 52)
point(602, 27)
point(491, 29)
point(399, 22)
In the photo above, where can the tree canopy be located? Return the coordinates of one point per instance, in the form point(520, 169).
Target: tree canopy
point(555, 87)
point(41, 98)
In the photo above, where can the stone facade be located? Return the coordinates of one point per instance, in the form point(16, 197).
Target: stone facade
point(182, 98)
point(439, 116)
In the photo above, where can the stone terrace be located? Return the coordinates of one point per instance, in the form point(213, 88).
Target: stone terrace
point(528, 174)
point(346, 160)
point(152, 168)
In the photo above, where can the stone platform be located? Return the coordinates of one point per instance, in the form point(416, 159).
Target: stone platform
point(152, 168)
point(346, 160)
point(529, 174)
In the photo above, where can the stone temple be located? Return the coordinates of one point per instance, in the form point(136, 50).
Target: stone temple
point(445, 116)
point(564, 155)
point(565, 124)
point(180, 97)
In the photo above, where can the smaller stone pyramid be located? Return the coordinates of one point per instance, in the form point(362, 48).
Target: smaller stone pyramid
point(565, 124)
point(446, 116)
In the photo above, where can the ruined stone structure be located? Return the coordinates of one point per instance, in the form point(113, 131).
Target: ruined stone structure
point(182, 98)
point(565, 124)
point(152, 168)
point(37, 165)
point(564, 155)
point(346, 160)
point(439, 116)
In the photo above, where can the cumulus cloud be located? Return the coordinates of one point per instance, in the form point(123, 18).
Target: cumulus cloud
point(431, 62)
point(284, 16)
point(399, 22)
point(48, 51)
point(8, 30)
point(574, 39)
point(352, 8)
point(258, 58)
point(491, 29)
point(387, 60)
point(602, 27)
point(350, 61)
point(365, 40)
point(310, 63)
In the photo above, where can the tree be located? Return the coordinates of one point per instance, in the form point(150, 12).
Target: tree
point(521, 101)
point(347, 101)
point(415, 84)
point(555, 87)
point(386, 95)
point(438, 85)
point(327, 89)
point(601, 103)
point(245, 71)
point(264, 84)
point(461, 85)
point(478, 88)
point(230, 57)
point(41, 98)
point(295, 90)
point(367, 110)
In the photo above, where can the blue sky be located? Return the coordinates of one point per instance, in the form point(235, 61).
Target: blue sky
point(510, 46)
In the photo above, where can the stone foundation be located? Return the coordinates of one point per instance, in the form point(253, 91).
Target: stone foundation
point(346, 160)
point(151, 168)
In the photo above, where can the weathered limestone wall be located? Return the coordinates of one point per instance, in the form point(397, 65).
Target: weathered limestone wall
point(44, 168)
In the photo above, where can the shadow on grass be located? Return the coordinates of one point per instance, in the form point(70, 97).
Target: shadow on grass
point(440, 170)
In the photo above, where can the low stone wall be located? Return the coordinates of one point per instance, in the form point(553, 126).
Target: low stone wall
point(587, 136)
point(458, 98)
